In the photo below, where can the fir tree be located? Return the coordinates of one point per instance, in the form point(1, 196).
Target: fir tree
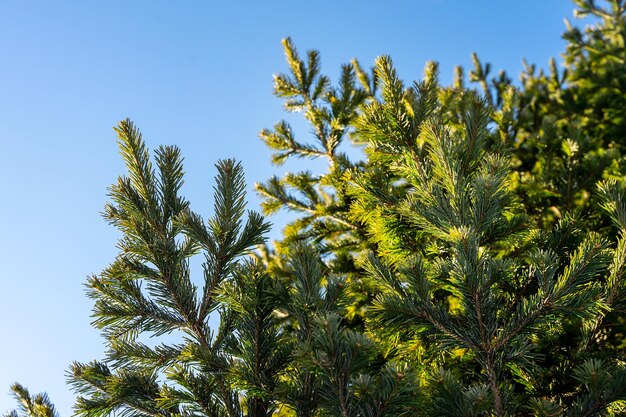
point(320, 201)
point(514, 205)
point(38, 405)
point(245, 342)
point(481, 290)
point(471, 263)
point(566, 124)
point(149, 291)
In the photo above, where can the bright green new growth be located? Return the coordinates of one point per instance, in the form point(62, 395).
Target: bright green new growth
point(476, 245)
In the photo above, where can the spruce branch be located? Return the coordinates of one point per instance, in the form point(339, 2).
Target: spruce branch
point(29, 405)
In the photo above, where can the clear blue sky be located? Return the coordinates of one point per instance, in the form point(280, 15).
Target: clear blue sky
point(195, 74)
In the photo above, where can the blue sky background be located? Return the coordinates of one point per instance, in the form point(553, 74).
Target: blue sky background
point(194, 74)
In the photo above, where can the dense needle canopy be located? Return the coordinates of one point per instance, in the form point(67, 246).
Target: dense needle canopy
point(470, 262)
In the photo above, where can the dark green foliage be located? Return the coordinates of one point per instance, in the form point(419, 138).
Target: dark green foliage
point(149, 291)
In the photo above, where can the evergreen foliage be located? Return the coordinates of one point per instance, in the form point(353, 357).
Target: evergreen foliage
point(485, 247)
point(38, 405)
point(471, 263)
